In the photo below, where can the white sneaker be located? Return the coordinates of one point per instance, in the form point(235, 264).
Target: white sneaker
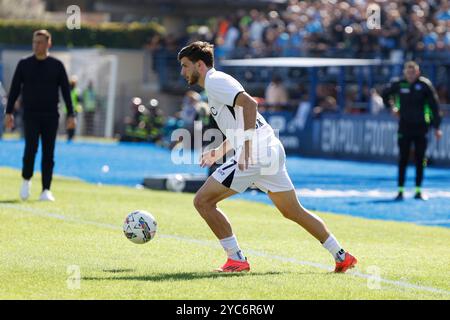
point(46, 195)
point(25, 189)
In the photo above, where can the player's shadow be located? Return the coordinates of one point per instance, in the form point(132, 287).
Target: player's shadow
point(12, 201)
point(118, 270)
point(379, 201)
point(184, 276)
point(385, 201)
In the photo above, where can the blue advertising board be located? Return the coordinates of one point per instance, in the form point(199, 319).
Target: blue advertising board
point(357, 137)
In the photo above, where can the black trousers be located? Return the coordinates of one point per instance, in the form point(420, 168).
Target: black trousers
point(44, 127)
point(405, 141)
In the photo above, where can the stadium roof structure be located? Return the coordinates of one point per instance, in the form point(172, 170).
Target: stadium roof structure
point(299, 62)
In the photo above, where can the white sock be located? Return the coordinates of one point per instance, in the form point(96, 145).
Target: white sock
point(231, 247)
point(332, 245)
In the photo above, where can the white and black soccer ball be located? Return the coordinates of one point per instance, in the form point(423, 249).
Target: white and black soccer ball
point(139, 227)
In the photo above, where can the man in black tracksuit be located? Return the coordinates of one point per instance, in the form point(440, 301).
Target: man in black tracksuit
point(416, 104)
point(39, 78)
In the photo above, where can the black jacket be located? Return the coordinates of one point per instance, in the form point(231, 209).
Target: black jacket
point(39, 82)
point(417, 103)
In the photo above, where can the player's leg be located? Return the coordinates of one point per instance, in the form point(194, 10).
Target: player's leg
point(48, 150)
point(277, 183)
point(205, 201)
point(274, 180)
point(31, 132)
point(226, 181)
point(287, 203)
point(420, 146)
point(404, 146)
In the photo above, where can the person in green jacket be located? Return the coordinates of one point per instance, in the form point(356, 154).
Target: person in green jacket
point(78, 108)
point(89, 107)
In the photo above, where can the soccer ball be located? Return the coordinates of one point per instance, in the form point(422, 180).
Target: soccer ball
point(175, 183)
point(139, 227)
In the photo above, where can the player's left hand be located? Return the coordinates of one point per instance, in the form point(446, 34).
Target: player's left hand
point(209, 157)
point(71, 122)
point(438, 134)
point(396, 112)
point(245, 156)
point(9, 121)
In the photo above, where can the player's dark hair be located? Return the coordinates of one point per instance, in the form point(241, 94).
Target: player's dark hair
point(198, 50)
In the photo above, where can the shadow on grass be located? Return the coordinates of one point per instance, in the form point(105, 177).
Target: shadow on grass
point(380, 201)
point(118, 270)
point(12, 201)
point(183, 276)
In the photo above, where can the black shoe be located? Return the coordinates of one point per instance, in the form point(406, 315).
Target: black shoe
point(399, 197)
point(419, 196)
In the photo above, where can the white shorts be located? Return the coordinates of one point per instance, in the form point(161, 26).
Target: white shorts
point(268, 173)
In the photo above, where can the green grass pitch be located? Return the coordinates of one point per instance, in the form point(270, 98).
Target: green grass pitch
point(47, 247)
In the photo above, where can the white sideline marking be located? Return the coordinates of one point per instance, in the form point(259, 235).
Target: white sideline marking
point(213, 244)
point(432, 222)
point(373, 193)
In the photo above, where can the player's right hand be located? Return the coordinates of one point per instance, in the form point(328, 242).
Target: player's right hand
point(71, 122)
point(396, 112)
point(208, 158)
point(245, 157)
point(9, 121)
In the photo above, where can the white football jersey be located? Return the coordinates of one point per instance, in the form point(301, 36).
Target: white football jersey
point(222, 91)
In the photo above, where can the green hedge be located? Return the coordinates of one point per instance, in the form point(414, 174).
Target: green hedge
point(111, 35)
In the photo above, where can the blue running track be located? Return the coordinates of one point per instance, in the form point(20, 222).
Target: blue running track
point(343, 187)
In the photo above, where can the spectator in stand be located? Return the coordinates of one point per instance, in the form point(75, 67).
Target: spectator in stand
point(417, 29)
point(328, 105)
point(320, 28)
point(276, 96)
point(391, 33)
point(189, 109)
point(446, 27)
point(231, 36)
point(257, 26)
point(430, 37)
point(441, 37)
point(444, 11)
point(243, 49)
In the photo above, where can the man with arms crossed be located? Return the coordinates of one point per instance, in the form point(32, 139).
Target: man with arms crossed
point(235, 111)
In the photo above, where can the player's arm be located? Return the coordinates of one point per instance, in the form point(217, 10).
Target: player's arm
point(210, 157)
point(14, 92)
point(433, 102)
point(250, 107)
point(387, 93)
point(65, 90)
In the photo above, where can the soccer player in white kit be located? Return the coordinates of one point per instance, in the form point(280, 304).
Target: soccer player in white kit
point(259, 160)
